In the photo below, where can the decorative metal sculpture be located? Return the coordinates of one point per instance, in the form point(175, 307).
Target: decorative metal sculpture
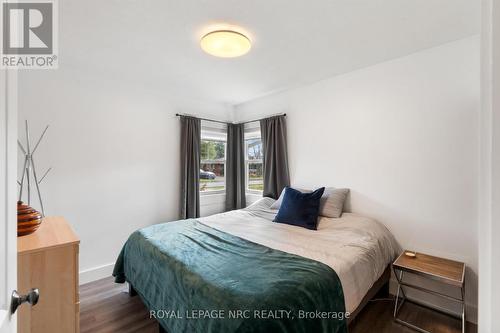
point(29, 169)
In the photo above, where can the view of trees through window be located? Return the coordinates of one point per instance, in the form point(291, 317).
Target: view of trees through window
point(254, 155)
point(213, 164)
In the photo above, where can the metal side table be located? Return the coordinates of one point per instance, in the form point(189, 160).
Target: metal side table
point(439, 269)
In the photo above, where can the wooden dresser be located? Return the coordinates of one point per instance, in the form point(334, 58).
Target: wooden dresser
point(48, 260)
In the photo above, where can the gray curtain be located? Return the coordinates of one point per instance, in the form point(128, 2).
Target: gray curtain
point(190, 167)
point(275, 162)
point(235, 167)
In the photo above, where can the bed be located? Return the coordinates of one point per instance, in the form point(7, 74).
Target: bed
point(240, 272)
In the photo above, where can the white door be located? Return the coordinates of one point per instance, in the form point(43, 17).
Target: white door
point(8, 188)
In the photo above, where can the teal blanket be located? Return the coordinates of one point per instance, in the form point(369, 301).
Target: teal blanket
point(194, 278)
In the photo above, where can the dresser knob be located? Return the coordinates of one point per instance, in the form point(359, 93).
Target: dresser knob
point(16, 300)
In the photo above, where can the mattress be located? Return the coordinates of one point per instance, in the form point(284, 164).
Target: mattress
point(195, 278)
point(357, 248)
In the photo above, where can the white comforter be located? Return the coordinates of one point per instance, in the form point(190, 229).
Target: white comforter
point(356, 247)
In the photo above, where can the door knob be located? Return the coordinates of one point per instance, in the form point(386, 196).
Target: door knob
point(16, 300)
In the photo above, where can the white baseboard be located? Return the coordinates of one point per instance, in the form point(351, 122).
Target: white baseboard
point(471, 309)
point(96, 273)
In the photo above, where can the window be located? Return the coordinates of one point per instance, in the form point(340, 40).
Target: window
point(213, 158)
point(213, 164)
point(253, 159)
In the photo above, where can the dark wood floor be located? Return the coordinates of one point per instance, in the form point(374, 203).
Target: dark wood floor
point(107, 307)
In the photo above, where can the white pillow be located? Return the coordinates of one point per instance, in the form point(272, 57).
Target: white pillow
point(332, 201)
point(277, 203)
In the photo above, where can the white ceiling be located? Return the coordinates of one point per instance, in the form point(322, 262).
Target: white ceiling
point(294, 42)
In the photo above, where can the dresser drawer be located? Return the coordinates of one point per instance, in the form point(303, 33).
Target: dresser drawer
point(54, 271)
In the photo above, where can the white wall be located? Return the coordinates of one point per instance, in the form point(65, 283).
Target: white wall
point(211, 204)
point(403, 136)
point(114, 148)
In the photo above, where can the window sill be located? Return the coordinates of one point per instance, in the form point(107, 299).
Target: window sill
point(210, 193)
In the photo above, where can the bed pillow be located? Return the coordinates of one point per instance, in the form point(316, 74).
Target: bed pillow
point(332, 201)
point(300, 209)
point(277, 203)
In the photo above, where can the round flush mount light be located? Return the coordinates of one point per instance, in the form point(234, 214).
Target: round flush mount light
point(225, 43)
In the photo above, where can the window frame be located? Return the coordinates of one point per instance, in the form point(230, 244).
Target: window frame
point(251, 134)
point(204, 137)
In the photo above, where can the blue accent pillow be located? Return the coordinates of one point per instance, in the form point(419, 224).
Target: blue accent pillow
point(300, 209)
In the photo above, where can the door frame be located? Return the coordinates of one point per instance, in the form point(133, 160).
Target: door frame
point(489, 171)
point(8, 207)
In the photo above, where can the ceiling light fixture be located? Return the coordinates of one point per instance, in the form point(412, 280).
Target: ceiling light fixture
point(225, 43)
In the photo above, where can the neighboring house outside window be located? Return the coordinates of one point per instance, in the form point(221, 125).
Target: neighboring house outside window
point(213, 158)
point(253, 158)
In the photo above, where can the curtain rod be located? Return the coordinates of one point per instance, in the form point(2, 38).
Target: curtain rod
point(270, 116)
point(226, 122)
point(212, 120)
